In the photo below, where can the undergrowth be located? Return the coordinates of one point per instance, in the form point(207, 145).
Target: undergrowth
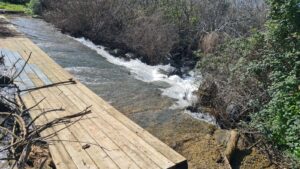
point(261, 73)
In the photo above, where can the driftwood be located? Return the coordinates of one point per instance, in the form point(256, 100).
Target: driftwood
point(230, 148)
point(16, 76)
point(232, 144)
point(19, 120)
point(70, 81)
point(22, 133)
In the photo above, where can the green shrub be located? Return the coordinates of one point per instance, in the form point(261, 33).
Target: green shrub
point(35, 7)
point(262, 73)
point(279, 119)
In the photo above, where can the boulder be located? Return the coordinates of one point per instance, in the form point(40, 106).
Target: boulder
point(233, 111)
point(207, 93)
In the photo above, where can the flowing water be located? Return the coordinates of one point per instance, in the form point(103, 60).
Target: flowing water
point(144, 93)
point(131, 86)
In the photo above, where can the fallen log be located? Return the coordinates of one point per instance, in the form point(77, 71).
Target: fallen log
point(231, 146)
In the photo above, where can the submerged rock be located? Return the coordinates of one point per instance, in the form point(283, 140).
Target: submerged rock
point(117, 53)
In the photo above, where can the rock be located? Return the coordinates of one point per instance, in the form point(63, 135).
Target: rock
point(125, 58)
point(233, 110)
point(192, 109)
point(175, 72)
point(117, 52)
point(107, 49)
point(169, 72)
point(222, 137)
point(207, 136)
point(190, 64)
point(164, 72)
point(110, 51)
point(131, 55)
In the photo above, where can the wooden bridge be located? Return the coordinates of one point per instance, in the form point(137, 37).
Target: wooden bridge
point(115, 140)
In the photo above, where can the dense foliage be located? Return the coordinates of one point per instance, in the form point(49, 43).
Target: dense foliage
point(261, 74)
point(35, 7)
point(280, 62)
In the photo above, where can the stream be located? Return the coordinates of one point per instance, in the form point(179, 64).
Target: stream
point(143, 93)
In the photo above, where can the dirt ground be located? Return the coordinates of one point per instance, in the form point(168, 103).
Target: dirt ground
point(203, 146)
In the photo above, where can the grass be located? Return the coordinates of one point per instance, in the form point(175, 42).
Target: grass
point(13, 7)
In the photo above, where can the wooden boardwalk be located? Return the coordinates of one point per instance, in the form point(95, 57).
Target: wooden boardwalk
point(116, 141)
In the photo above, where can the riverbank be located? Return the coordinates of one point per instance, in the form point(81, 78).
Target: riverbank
point(201, 143)
point(242, 46)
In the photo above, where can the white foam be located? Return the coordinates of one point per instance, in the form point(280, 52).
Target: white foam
point(203, 117)
point(181, 89)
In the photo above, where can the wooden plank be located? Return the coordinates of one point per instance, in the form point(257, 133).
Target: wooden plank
point(122, 142)
point(152, 153)
point(118, 112)
point(121, 131)
point(40, 74)
point(95, 153)
point(156, 143)
point(112, 150)
point(96, 157)
point(61, 159)
point(132, 150)
point(125, 163)
point(74, 148)
point(26, 82)
point(60, 156)
point(79, 156)
point(143, 134)
point(140, 147)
